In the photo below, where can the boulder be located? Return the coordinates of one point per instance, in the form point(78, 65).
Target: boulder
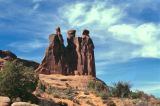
point(4, 101)
point(23, 104)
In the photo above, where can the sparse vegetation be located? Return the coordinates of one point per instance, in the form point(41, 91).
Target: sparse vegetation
point(16, 80)
point(63, 104)
point(41, 87)
point(86, 92)
point(111, 103)
point(68, 93)
point(121, 89)
point(76, 101)
point(98, 88)
point(90, 103)
point(137, 94)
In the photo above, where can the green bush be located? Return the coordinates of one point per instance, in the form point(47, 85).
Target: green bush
point(91, 85)
point(41, 87)
point(90, 103)
point(17, 80)
point(86, 92)
point(99, 88)
point(137, 94)
point(103, 95)
point(111, 103)
point(141, 95)
point(120, 89)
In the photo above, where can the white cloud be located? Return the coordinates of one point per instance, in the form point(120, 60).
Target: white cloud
point(149, 87)
point(145, 35)
point(28, 46)
point(137, 34)
point(104, 20)
point(98, 13)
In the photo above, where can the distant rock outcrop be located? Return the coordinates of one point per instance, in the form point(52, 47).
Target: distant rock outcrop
point(4, 54)
point(9, 56)
point(77, 58)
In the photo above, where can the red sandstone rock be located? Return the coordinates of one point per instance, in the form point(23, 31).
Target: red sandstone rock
point(4, 101)
point(54, 61)
point(77, 58)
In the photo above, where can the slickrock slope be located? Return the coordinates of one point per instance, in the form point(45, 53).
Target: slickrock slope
point(61, 81)
point(71, 90)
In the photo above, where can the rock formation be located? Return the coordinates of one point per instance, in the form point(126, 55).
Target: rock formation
point(4, 101)
point(77, 58)
point(54, 59)
point(9, 56)
point(87, 52)
point(4, 54)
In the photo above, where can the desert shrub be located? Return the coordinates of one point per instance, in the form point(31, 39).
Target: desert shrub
point(56, 95)
point(111, 103)
point(103, 95)
point(41, 87)
point(76, 101)
point(141, 95)
point(16, 80)
point(86, 92)
point(91, 85)
point(137, 94)
point(120, 89)
point(90, 103)
point(68, 93)
point(99, 88)
point(62, 104)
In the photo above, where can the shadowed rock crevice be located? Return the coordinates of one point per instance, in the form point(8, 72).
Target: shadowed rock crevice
point(77, 58)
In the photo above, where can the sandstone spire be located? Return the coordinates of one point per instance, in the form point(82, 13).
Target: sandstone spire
point(77, 58)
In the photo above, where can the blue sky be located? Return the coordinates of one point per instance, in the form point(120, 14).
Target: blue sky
point(126, 34)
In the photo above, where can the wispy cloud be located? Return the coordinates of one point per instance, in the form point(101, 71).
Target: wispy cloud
point(35, 1)
point(36, 6)
point(146, 35)
point(107, 22)
point(28, 46)
point(148, 87)
point(86, 13)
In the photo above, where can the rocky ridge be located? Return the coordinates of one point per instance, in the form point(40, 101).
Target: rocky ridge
point(6, 55)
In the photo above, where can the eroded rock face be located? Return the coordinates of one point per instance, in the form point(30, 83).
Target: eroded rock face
point(87, 52)
point(77, 58)
point(53, 62)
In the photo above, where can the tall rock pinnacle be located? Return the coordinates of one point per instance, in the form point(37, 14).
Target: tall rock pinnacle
point(77, 58)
